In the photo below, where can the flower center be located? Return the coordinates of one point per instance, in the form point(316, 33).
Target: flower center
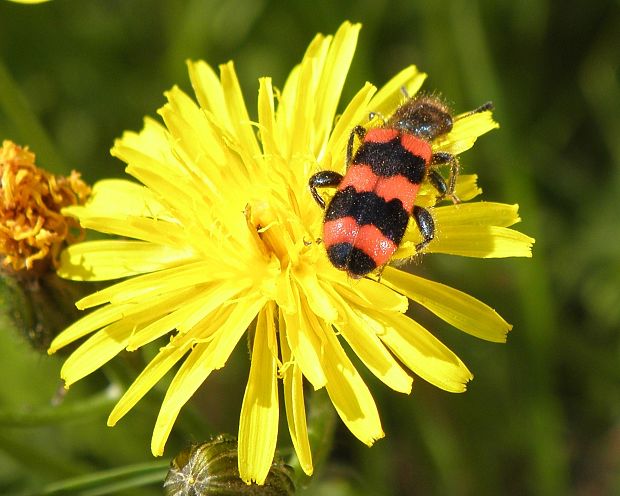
point(268, 229)
point(279, 232)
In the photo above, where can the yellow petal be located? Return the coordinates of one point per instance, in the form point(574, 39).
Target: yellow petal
point(226, 329)
point(167, 357)
point(96, 350)
point(170, 280)
point(191, 308)
point(331, 81)
point(391, 95)
point(209, 92)
point(455, 307)
point(112, 259)
point(91, 322)
point(354, 113)
point(267, 117)
point(197, 142)
point(152, 141)
point(300, 125)
point(482, 242)
point(477, 214)
point(285, 112)
point(156, 231)
point(467, 128)
point(258, 425)
point(466, 189)
point(422, 352)
point(294, 403)
point(150, 151)
point(304, 342)
point(157, 305)
point(473, 230)
point(349, 393)
point(237, 110)
point(318, 299)
point(29, 1)
point(370, 294)
point(121, 198)
point(368, 347)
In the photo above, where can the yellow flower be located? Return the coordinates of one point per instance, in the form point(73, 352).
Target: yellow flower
point(222, 231)
point(29, 1)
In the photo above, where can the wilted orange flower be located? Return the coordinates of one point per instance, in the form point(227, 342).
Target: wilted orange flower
point(31, 225)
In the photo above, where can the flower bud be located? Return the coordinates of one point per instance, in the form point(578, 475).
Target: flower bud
point(211, 469)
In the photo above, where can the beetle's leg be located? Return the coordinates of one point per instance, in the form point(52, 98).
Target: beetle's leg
point(426, 225)
point(438, 181)
point(441, 158)
point(323, 179)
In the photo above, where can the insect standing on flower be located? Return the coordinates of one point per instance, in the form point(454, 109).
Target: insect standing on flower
point(366, 219)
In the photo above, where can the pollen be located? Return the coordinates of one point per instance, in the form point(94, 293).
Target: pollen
point(32, 228)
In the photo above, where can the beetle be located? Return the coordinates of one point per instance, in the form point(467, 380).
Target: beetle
point(367, 217)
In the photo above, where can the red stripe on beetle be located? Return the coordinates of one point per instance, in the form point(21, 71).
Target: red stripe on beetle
point(374, 243)
point(361, 177)
point(380, 135)
point(342, 230)
point(367, 238)
point(417, 147)
point(399, 187)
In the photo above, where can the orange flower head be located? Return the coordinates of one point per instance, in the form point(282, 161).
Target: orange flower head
point(32, 227)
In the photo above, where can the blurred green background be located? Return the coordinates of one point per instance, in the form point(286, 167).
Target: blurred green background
point(542, 416)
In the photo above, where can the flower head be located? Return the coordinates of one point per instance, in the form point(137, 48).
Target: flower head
point(222, 231)
point(29, 1)
point(32, 227)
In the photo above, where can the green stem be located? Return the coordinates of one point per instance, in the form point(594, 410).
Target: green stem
point(37, 459)
point(110, 481)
